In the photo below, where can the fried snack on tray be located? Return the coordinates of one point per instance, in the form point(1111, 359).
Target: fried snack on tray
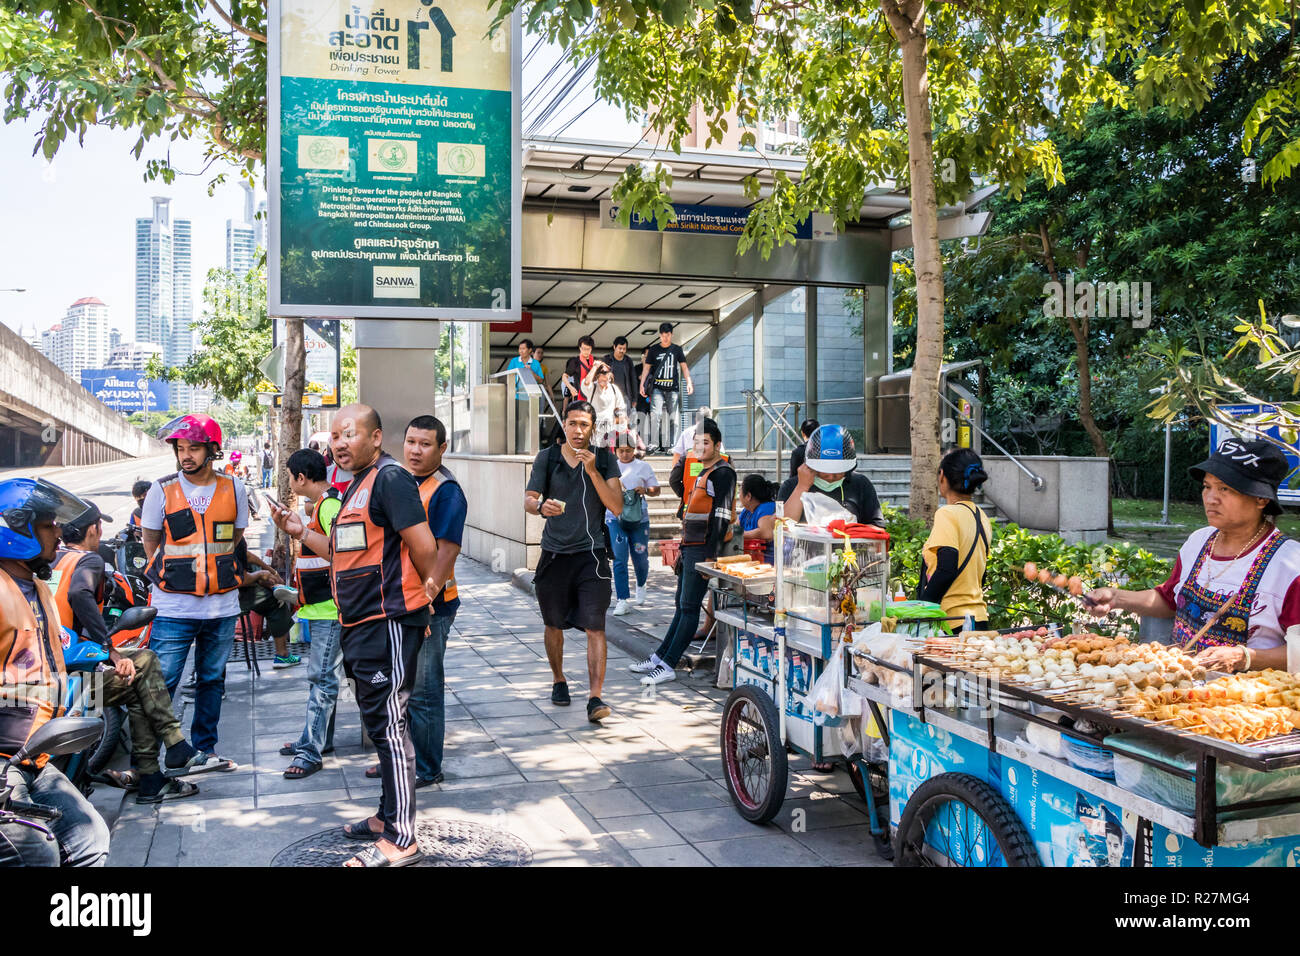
point(1235, 723)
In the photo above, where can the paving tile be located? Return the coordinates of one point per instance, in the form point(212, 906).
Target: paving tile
point(649, 773)
point(270, 783)
point(499, 727)
point(642, 831)
point(713, 823)
point(683, 855)
point(503, 708)
point(843, 846)
point(694, 795)
point(611, 803)
point(821, 812)
point(770, 850)
point(300, 799)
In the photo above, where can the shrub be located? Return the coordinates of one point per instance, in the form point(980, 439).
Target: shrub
point(1012, 600)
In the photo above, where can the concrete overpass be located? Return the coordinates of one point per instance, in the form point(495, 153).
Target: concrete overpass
point(48, 419)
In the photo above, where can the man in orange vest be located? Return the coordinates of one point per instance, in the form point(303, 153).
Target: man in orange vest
point(32, 675)
point(382, 561)
point(135, 681)
point(194, 521)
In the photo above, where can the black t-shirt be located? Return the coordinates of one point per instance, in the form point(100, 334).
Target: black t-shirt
point(577, 370)
point(857, 494)
point(642, 404)
point(582, 526)
point(666, 368)
point(797, 458)
point(624, 373)
point(394, 506)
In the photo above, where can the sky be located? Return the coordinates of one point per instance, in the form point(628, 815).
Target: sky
point(69, 227)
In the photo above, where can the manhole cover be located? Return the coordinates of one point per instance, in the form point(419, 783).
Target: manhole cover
point(444, 842)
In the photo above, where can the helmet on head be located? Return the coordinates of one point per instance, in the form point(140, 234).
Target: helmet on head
point(25, 501)
point(194, 428)
point(236, 457)
point(830, 450)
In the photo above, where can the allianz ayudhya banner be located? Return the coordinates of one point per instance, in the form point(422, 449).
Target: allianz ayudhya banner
point(393, 161)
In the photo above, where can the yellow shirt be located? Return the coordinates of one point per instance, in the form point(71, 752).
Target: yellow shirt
point(954, 527)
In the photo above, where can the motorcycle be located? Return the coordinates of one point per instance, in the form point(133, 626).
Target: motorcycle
point(59, 737)
point(82, 658)
point(130, 589)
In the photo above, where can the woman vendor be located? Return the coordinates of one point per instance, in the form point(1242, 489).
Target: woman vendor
point(957, 550)
point(758, 512)
point(1234, 589)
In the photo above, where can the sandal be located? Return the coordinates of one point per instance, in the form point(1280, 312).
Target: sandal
point(201, 763)
point(299, 771)
point(373, 772)
point(360, 831)
point(122, 779)
point(171, 790)
point(372, 858)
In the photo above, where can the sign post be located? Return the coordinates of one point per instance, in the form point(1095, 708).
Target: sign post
point(393, 161)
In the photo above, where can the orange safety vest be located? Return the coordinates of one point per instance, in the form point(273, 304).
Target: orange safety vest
point(371, 570)
point(691, 471)
point(313, 569)
point(698, 508)
point(197, 554)
point(60, 577)
point(31, 666)
point(429, 485)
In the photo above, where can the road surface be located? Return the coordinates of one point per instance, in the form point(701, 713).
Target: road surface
point(108, 486)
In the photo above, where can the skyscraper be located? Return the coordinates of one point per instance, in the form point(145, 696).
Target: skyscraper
point(81, 340)
point(164, 306)
point(242, 238)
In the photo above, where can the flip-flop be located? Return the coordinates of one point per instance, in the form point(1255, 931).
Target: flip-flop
point(360, 831)
point(373, 772)
point(171, 790)
point(372, 858)
point(201, 762)
point(304, 770)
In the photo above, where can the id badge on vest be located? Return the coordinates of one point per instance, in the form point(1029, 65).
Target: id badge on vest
point(223, 531)
point(350, 537)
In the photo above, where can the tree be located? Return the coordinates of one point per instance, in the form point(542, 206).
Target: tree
point(979, 84)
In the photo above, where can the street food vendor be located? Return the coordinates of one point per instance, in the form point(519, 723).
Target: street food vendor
point(828, 469)
point(957, 550)
point(1235, 587)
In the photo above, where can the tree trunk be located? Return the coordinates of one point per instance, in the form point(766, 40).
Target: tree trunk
point(295, 375)
point(907, 20)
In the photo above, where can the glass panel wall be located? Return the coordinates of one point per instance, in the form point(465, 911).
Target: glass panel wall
point(736, 371)
point(840, 367)
point(784, 354)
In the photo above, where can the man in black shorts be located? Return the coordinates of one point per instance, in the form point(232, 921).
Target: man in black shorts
point(571, 486)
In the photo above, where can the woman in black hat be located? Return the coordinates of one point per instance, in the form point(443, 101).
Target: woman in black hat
point(1235, 587)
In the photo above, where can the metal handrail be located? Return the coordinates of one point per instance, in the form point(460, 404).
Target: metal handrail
point(1036, 480)
point(756, 398)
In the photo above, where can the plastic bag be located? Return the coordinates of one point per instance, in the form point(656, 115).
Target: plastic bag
point(828, 696)
point(821, 509)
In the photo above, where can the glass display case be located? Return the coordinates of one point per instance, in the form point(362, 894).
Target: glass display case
point(825, 578)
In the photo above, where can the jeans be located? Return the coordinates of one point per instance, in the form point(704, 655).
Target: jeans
point(427, 709)
point(664, 403)
point(81, 831)
point(266, 477)
point(638, 543)
point(691, 588)
point(324, 674)
point(212, 639)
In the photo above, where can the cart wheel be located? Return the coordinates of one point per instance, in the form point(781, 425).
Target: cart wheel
point(955, 819)
point(753, 754)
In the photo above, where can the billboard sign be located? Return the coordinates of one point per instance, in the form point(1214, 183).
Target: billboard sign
point(324, 361)
point(126, 390)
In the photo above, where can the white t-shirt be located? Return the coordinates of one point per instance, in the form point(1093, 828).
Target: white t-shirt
point(686, 440)
point(193, 606)
point(1277, 599)
point(634, 474)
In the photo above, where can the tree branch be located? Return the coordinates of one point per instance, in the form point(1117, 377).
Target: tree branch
point(251, 34)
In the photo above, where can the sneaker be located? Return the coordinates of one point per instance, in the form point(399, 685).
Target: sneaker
point(643, 667)
point(621, 608)
point(560, 694)
point(421, 783)
point(641, 597)
point(660, 675)
point(597, 710)
point(289, 660)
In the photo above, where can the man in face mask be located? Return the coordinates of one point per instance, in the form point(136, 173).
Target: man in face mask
point(828, 470)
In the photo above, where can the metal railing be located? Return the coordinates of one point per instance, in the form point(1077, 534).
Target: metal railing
point(1036, 480)
point(775, 414)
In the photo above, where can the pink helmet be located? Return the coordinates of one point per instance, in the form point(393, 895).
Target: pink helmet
point(236, 456)
point(195, 428)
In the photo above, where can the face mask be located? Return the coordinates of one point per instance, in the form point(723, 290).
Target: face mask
point(824, 485)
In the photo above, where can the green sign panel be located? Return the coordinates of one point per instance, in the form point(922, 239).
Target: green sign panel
point(393, 161)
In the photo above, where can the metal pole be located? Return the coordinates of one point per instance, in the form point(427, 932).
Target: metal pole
point(1164, 512)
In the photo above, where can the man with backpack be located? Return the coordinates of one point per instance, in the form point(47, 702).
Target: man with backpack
point(268, 464)
point(571, 486)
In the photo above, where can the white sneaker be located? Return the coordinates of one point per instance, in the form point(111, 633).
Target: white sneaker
point(660, 675)
point(621, 608)
point(643, 667)
point(640, 599)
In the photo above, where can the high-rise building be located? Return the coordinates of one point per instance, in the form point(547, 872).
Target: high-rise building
point(134, 355)
point(243, 238)
point(164, 305)
point(81, 340)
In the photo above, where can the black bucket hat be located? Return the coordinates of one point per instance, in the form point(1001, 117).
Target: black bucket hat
point(1254, 468)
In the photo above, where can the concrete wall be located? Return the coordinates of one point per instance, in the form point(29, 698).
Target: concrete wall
point(1072, 501)
point(498, 531)
point(34, 387)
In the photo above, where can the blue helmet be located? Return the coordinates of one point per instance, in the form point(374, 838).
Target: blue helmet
point(23, 502)
point(830, 450)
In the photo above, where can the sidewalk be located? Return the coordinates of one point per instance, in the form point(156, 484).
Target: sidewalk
point(643, 788)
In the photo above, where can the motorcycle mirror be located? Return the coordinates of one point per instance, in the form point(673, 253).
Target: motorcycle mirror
point(62, 735)
point(134, 617)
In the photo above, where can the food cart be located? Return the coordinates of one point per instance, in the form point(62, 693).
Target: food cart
point(963, 763)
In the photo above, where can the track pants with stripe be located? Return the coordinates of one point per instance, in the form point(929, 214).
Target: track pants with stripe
point(381, 657)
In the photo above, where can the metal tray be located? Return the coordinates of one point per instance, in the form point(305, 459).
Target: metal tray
point(755, 584)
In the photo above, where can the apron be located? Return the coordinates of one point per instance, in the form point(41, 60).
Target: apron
point(1197, 604)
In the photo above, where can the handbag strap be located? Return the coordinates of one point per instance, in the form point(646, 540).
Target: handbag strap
point(979, 536)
